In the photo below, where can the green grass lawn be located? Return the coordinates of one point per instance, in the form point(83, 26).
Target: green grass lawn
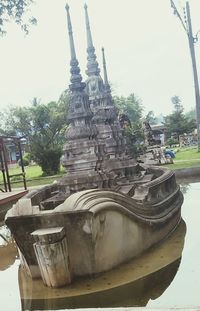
point(186, 157)
point(33, 171)
point(33, 176)
point(187, 154)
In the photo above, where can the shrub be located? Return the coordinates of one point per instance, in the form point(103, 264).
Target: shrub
point(49, 160)
point(172, 141)
point(26, 159)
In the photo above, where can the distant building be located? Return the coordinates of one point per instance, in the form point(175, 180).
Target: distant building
point(188, 139)
point(12, 150)
point(159, 133)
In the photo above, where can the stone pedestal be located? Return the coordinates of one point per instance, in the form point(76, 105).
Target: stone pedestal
point(81, 155)
point(52, 255)
point(105, 136)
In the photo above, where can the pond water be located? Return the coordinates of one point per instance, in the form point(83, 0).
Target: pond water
point(167, 276)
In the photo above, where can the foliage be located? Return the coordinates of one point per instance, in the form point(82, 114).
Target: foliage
point(32, 172)
point(178, 123)
point(134, 139)
point(187, 157)
point(185, 164)
point(131, 108)
point(33, 176)
point(27, 156)
point(172, 141)
point(151, 118)
point(187, 154)
point(15, 10)
point(48, 159)
point(25, 162)
point(64, 99)
point(44, 127)
point(191, 115)
point(26, 159)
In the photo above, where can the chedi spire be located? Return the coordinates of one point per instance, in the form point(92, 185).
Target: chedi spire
point(106, 83)
point(81, 133)
point(79, 103)
point(92, 64)
point(76, 78)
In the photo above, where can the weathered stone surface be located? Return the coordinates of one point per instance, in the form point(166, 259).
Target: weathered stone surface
point(81, 149)
point(105, 227)
point(52, 256)
point(101, 102)
point(108, 207)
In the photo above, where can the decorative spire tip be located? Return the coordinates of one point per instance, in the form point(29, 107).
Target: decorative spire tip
point(85, 6)
point(67, 7)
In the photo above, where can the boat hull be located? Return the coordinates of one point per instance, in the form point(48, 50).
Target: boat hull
point(96, 241)
point(94, 230)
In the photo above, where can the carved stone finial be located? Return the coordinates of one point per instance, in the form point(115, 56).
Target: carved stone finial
point(106, 84)
point(80, 152)
point(67, 7)
point(92, 64)
point(79, 106)
point(76, 78)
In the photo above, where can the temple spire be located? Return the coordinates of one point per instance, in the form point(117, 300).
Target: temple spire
point(106, 83)
point(76, 78)
point(92, 64)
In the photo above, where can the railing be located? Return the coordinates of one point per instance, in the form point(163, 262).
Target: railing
point(4, 163)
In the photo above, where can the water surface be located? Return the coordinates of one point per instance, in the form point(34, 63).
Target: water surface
point(167, 276)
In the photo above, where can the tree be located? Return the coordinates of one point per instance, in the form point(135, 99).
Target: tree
point(191, 115)
point(151, 118)
point(15, 10)
point(130, 107)
point(177, 122)
point(44, 127)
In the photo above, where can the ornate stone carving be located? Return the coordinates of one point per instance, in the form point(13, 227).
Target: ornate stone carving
point(101, 102)
point(100, 201)
point(81, 150)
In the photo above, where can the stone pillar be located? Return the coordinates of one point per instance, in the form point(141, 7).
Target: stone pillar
point(52, 255)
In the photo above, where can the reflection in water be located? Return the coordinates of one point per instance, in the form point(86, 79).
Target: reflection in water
point(131, 284)
point(182, 293)
point(184, 188)
point(148, 282)
point(3, 210)
point(134, 294)
point(186, 183)
point(5, 235)
point(8, 250)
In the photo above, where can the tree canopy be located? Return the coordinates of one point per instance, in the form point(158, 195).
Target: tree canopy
point(43, 125)
point(191, 114)
point(177, 122)
point(15, 10)
point(131, 107)
point(151, 118)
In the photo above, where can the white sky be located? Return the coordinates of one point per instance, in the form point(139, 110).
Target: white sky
point(146, 51)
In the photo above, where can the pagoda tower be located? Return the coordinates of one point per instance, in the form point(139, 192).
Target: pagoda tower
point(82, 152)
point(101, 102)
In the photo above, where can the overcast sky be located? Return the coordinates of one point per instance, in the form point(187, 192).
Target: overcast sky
point(146, 50)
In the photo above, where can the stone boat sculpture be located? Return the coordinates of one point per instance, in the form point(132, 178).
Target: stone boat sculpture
point(108, 208)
